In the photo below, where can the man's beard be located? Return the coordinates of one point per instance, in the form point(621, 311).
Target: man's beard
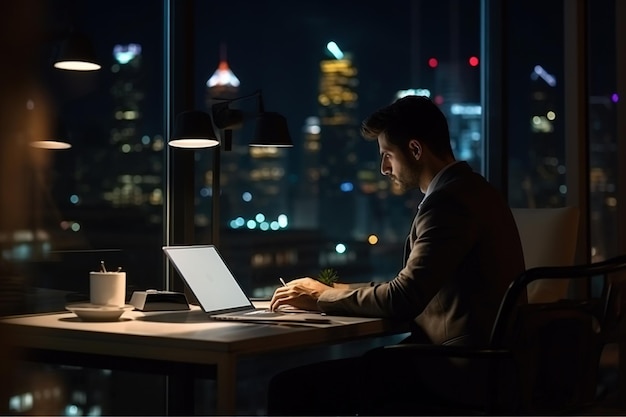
point(409, 178)
point(399, 186)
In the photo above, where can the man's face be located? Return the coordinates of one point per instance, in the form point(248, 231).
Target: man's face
point(399, 165)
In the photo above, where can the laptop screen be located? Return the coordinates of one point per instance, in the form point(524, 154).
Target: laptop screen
point(208, 278)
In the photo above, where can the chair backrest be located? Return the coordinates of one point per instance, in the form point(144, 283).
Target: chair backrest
point(557, 345)
point(549, 237)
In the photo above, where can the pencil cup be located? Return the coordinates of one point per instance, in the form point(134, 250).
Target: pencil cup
point(107, 288)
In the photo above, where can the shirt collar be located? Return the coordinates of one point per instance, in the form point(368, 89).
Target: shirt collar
point(433, 184)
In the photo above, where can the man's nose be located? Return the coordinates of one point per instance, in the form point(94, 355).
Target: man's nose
point(384, 168)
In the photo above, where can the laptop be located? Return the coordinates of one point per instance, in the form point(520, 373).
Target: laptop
point(218, 292)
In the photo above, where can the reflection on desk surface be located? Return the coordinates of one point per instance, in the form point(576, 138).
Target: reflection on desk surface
point(195, 315)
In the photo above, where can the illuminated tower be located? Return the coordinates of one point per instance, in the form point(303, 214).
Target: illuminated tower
point(339, 143)
point(223, 83)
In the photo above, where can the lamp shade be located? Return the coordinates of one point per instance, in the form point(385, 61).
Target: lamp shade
point(52, 138)
point(193, 129)
point(271, 130)
point(77, 54)
point(50, 144)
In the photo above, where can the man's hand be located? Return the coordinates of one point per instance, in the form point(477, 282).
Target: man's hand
point(300, 293)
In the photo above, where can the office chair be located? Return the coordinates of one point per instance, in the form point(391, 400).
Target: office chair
point(542, 358)
point(549, 237)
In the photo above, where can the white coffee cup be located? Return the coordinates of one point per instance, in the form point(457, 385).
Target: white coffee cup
point(107, 288)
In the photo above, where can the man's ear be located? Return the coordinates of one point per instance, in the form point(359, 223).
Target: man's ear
point(415, 148)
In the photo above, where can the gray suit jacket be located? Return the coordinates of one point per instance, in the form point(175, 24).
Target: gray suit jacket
point(463, 252)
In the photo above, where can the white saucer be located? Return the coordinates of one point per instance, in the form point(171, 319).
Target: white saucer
point(93, 312)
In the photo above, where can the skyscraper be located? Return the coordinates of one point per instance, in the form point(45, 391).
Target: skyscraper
point(135, 179)
point(339, 143)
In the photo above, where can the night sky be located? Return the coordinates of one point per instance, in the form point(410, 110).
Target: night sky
point(276, 46)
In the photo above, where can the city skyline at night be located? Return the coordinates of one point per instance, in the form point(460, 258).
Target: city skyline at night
point(284, 61)
point(507, 76)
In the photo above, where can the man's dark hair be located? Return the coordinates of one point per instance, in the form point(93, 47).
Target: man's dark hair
point(411, 117)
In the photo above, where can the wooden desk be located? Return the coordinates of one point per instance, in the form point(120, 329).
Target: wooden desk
point(183, 344)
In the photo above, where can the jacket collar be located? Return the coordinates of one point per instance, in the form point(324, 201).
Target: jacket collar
point(448, 173)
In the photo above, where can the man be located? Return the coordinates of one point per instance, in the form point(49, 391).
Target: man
point(462, 252)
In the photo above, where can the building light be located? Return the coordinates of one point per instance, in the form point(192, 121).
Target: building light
point(346, 187)
point(340, 248)
point(540, 72)
point(334, 49)
point(123, 54)
point(466, 110)
point(413, 92)
point(130, 115)
point(611, 202)
point(283, 221)
point(541, 124)
point(223, 76)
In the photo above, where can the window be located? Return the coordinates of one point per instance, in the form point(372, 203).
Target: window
point(64, 210)
point(603, 143)
point(101, 199)
point(326, 66)
point(537, 168)
point(536, 111)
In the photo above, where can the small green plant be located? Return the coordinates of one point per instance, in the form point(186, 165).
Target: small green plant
point(328, 276)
